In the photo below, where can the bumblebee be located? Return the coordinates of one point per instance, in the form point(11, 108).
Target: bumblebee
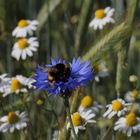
point(57, 73)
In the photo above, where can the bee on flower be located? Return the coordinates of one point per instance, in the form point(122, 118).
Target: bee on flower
point(12, 121)
point(80, 120)
point(128, 124)
point(102, 17)
point(17, 84)
point(132, 96)
point(24, 47)
point(87, 103)
point(117, 107)
point(61, 77)
point(24, 28)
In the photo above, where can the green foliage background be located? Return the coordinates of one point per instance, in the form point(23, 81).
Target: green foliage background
point(63, 32)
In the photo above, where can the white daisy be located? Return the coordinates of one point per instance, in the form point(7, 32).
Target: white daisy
point(24, 47)
point(100, 71)
point(25, 27)
point(128, 124)
point(17, 84)
point(87, 103)
point(118, 107)
point(132, 95)
point(102, 17)
point(80, 120)
point(14, 120)
point(4, 82)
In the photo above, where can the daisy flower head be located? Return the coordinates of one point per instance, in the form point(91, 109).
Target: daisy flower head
point(102, 17)
point(61, 77)
point(4, 82)
point(25, 27)
point(80, 120)
point(131, 96)
point(128, 124)
point(24, 47)
point(17, 84)
point(87, 103)
point(118, 107)
point(12, 121)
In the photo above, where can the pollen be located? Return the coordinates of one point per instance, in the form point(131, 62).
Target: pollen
point(22, 23)
point(12, 118)
point(77, 119)
point(15, 84)
point(100, 14)
point(22, 43)
point(134, 93)
point(117, 105)
point(87, 101)
point(131, 119)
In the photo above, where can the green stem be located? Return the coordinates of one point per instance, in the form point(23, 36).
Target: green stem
point(108, 130)
point(69, 117)
point(52, 109)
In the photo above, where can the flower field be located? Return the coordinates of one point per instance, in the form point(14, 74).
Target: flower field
point(69, 70)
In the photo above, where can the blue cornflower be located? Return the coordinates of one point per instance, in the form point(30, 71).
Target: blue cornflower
point(61, 77)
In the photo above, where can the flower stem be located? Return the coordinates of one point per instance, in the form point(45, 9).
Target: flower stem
point(69, 117)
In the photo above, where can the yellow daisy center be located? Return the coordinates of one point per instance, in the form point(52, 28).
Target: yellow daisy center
point(12, 117)
point(77, 119)
point(117, 105)
point(86, 102)
point(131, 119)
point(22, 43)
point(22, 23)
point(134, 93)
point(15, 84)
point(100, 14)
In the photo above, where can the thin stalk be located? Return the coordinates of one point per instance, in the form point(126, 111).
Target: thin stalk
point(52, 109)
point(69, 117)
point(107, 132)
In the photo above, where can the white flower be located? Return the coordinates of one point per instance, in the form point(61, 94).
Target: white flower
point(14, 120)
point(132, 95)
point(80, 120)
point(17, 84)
point(118, 107)
point(100, 70)
point(24, 47)
point(25, 27)
point(128, 124)
point(102, 17)
point(4, 82)
point(87, 103)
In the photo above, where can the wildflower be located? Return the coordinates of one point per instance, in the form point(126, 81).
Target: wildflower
point(102, 17)
point(4, 82)
point(12, 121)
point(100, 71)
point(24, 47)
point(25, 27)
point(62, 78)
point(17, 84)
point(118, 107)
point(80, 120)
point(87, 103)
point(132, 95)
point(133, 78)
point(128, 124)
